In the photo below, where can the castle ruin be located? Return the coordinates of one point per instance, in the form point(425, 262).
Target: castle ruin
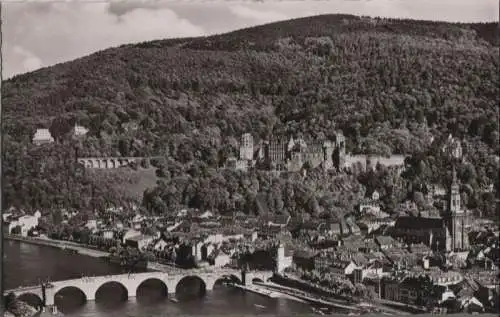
point(293, 154)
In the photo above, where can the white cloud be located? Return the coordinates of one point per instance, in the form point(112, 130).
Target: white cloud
point(63, 31)
point(259, 16)
point(49, 33)
point(28, 60)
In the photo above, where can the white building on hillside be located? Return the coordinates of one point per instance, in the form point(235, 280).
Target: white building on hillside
point(78, 130)
point(42, 136)
point(27, 223)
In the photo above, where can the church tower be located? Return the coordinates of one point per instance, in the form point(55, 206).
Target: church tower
point(458, 217)
point(246, 147)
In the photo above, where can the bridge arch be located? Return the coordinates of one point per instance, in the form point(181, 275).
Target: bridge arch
point(89, 164)
point(233, 278)
point(191, 286)
point(257, 280)
point(111, 290)
point(69, 298)
point(112, 163)
point(31, 299)
point(151, 290)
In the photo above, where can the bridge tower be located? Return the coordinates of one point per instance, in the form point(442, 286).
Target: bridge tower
point(282, 261)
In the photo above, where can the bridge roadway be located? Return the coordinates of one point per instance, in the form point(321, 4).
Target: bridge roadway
point(89, 286)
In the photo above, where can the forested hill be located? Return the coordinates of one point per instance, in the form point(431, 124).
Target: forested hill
point(390, 85)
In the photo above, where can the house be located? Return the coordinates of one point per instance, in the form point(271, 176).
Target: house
point(206, 250)
point(447, 297)
point(91, 224)
point(172, 227)
point(390, 288)
point(471, 305)
point(251, 236)
point(386, 242)
point(108, 234)
point(139, 242)
point(420, 249)
point(335, 229)
point(411, 291)
point(27, 223)
point(277, 220)
point(130, 233)
point(78, 130)
point(219, 258)
point(353, 227)
point(130, 126)
point(10, 225)
point(42, 136)
point(182, 213)
point(119, 225)
point(136, 222)
point(6, 215)
point(214, 238)
point(160, 245)
point(369, 205)
point(369, 246)
point(206, 215)
point(304, 259)
point(342, 268)
point(373, 270)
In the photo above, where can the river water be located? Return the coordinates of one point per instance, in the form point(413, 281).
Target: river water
point(27, 264)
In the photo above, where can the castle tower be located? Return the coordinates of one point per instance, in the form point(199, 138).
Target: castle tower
point(458, 217)
point(328, 149)
point(339, 160)
point(246, 147)
point(277, 150)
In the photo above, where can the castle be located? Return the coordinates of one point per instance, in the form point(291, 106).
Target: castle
point(294, 154)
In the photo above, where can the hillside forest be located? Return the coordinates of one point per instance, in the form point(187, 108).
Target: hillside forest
point(392, 87)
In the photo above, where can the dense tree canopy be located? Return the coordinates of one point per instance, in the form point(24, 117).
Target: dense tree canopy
point(390, 85)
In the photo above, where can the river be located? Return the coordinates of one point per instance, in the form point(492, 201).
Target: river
point(27, 264)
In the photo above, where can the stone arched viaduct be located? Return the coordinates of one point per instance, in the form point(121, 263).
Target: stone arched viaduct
point(108, 162)
point(131, 282)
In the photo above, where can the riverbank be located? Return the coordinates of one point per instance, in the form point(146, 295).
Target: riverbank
point(301, 289)
point(62, 245)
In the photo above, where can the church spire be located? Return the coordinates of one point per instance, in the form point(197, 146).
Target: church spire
point(454, 177)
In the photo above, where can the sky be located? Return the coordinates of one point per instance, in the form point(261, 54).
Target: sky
point(43, 33)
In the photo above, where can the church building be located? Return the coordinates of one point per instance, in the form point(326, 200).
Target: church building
point(448, 233)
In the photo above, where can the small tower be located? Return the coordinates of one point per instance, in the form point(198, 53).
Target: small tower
point(246, 147)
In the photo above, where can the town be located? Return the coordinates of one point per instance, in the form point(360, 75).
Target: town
point(421, 257)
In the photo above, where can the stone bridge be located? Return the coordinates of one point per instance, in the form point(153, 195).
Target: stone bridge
point(90, 286)
point(108, 162)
